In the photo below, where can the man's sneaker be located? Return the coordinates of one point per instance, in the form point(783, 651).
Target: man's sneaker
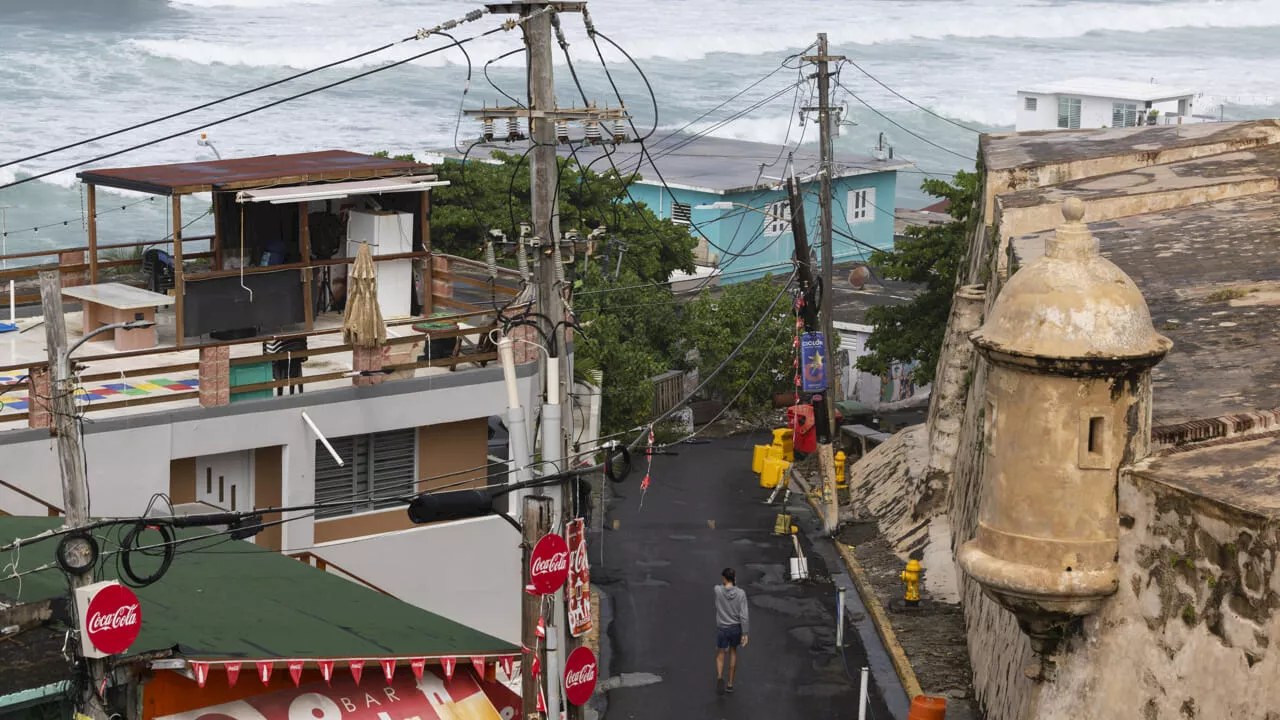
point(728, 688)
point(720, 689)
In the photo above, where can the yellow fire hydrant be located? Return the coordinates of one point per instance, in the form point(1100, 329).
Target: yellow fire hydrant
point(911, 576)
point(841, 483)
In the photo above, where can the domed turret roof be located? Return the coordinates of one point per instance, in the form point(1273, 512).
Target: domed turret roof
point(1071, 304)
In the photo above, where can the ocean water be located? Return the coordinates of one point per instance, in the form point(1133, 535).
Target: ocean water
point(71, 69)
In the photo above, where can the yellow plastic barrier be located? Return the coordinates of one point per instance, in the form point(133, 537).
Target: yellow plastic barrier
point(774, 470)
point(782, 438)
point(758, 455)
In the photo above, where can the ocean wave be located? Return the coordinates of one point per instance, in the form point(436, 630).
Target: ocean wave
point(204, 52)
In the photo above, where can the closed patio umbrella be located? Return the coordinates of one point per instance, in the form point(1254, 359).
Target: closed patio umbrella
point(362, 324)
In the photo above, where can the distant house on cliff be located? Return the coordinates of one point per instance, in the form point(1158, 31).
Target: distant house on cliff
point(1091, 103)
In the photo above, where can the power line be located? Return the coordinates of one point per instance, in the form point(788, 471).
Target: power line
point(504, 27)
point(421, 34)
point(910, 101)
point(900, 126)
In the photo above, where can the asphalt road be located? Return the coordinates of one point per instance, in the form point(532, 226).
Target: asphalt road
point(704, 511)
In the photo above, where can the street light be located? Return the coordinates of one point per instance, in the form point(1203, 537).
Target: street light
point(64, 368)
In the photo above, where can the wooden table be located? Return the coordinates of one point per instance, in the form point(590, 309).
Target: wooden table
point(108, 303)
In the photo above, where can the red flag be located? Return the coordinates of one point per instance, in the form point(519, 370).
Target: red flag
point(326, 670)
point(417, 664)
point(477, 662)
point(541, 630)
point(531, 589)
point(264, 671)
point(201, 671)
point(448, 664)
point(233, 673)
point(542, 701)
point(536, 666)
point(295, 671)
point(357, 668)
point(508, 663)
point(389, 668)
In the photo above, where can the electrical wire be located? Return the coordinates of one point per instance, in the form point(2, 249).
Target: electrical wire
point(328, 86)
point(494, 85)
point(900, 126)
point(910, 101)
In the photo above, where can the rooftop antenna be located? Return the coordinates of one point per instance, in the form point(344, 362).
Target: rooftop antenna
point(203, 141)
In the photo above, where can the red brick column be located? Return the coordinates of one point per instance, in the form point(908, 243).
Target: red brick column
point(215, 376)
point(38, 393)
point(523, 348)
point(72, 278)
point(365, 360)
point(441, 286)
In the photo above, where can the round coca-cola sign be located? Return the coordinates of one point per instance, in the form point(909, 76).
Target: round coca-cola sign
point(580, 672)
point(113, 619)
point(549, 564)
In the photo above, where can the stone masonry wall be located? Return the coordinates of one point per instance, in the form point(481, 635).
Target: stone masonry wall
point(1188, 634)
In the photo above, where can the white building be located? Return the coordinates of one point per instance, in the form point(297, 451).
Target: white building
point(1089, 103)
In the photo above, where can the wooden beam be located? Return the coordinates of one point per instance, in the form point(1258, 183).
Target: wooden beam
point(304, 243)
point(91, 203)
point(179, 282)
point(428, 289)
point(217, 232)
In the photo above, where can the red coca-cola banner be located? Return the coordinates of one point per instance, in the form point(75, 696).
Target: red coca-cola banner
point(432, 698)
point(549, 564)
point(233, 673)
point(201, 671)
point(326, 670)
point(264, 671)
point(580, 671)
point(113, 619)
point(579, 598)
point(448, 664)
point(388, 668)
point(295, 671)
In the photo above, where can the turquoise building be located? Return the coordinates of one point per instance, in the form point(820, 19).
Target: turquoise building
point(730, 195)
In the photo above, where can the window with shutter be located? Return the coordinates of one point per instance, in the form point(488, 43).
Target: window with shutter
point(377, 469)
point(778, 218)
point(1124, 115)
point(1031, 104)
point(681, 213)
point(1069, 113)
point(860, 205)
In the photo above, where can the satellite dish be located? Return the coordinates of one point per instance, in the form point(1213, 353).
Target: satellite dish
point(859, 276)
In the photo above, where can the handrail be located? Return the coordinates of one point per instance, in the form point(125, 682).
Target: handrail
point(323, 565)
point(112, 246)
point(54, 510)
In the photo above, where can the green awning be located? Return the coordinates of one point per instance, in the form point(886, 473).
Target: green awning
point(231, 599)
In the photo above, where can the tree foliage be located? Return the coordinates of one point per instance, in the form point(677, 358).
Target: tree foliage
point(930, 256)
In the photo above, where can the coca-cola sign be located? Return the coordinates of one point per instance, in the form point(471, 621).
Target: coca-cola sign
point(549, 564)
point(580, 672)
point(112, 619)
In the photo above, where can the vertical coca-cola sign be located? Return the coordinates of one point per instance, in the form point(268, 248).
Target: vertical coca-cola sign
point(549, 564)
point(579, 580)
point(110, 618)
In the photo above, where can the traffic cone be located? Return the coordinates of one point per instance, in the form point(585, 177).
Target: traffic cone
point(927, 708)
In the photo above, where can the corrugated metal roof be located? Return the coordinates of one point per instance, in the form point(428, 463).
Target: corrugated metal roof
point(242, 601)
point(239, 173)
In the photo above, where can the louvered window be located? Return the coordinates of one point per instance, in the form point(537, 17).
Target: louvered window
point(1069, 113)
point(377, 468)
point(1124, 115)
point(681, 213)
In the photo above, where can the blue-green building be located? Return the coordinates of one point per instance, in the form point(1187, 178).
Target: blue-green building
point(708, 183)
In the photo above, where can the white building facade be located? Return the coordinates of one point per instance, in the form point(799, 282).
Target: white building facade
point(1091, 103)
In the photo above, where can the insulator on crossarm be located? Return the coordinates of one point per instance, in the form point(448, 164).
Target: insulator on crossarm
point(488, 130)
point(522, 259)
point(593, 131)
point(562, 132)
point(513, 129)
point(619, 131)
point(491, 260)
point(557, 261)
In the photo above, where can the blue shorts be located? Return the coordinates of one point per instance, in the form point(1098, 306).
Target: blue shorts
point(728, 637)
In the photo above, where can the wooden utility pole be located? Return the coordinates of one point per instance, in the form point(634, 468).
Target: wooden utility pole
point(535, 522)
point(75, 486)
point(826, 458)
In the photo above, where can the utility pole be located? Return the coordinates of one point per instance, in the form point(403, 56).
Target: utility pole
point(826, 458)
point(535, 522)
point(75, 486)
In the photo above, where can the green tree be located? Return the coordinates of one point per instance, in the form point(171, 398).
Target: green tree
point(930, 256)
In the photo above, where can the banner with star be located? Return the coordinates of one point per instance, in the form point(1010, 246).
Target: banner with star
point(813, 362)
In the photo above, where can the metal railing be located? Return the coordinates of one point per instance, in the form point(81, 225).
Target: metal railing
point(320, 563)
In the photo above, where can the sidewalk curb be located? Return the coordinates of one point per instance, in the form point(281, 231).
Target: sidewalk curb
point(879, 618)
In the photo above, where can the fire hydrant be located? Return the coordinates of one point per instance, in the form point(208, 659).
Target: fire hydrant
point(911, 576)
point(840, 481)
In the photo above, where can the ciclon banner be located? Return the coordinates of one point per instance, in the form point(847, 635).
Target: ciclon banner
point(405, 698)
point(579, 579)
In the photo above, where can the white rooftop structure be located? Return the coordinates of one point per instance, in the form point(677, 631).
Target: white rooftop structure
point(1090, 103)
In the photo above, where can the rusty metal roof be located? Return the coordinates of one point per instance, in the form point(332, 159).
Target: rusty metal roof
point(240, 173)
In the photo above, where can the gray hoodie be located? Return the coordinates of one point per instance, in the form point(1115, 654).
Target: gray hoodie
point(731, 606)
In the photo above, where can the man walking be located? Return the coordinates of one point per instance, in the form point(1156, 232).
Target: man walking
point(731, 627)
